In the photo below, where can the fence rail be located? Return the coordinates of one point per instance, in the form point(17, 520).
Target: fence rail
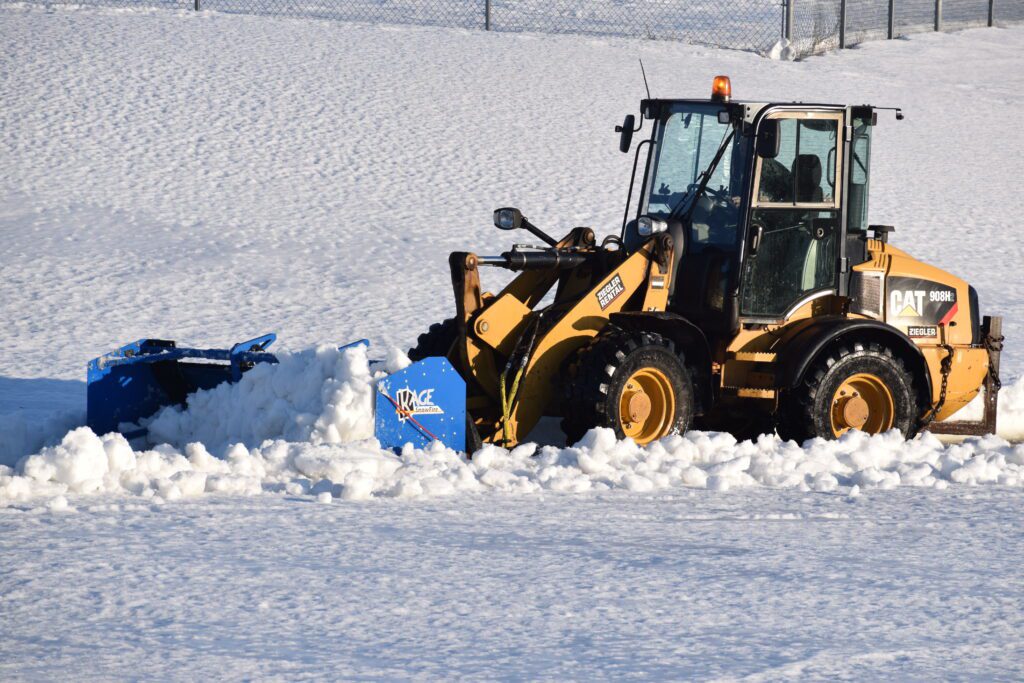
point(787, 28)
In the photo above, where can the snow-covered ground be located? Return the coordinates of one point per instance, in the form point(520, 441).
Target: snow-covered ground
point(755, 585)
point(208, 178)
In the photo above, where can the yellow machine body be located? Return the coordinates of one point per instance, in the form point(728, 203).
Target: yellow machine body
point(747, 356)
point(902, 286)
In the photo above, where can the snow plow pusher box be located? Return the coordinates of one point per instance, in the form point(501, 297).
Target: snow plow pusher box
point(423, 403)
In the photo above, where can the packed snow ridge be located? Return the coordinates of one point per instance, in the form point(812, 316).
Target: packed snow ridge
point(305, 427)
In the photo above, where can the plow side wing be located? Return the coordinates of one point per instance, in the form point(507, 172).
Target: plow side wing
point(138, 379)
point(423, 403)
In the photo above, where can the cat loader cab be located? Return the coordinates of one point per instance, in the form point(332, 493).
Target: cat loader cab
point(759, 199)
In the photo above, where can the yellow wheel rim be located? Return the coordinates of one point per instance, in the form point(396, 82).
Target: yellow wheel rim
point(647, 405)
point(862, 402)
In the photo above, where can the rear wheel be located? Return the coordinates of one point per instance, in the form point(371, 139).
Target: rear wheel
point(632, 382)
point(863, 386)
point(436, 341)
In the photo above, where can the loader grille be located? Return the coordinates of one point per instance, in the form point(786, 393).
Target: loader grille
point(866, 293)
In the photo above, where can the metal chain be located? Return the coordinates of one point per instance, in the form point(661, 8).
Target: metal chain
point(994, 344)
point(945, 368)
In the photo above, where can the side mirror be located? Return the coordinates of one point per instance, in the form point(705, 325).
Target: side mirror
point(768, 140)
point(508, 219)
point(647, 226)
point(626, 132)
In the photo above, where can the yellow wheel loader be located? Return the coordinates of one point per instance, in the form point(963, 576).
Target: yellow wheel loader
point(745, 293)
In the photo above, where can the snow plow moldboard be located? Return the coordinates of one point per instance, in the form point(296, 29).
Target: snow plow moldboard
point(423, 403)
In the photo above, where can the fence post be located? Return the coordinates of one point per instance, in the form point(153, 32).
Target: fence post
point(938, 15)
point(197, 5)
point(487, 14)
point(991, 12)
point(892, 19)
point(789, 20)
point(842, 24)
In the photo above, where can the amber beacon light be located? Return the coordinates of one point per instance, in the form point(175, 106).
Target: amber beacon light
point(721, 89)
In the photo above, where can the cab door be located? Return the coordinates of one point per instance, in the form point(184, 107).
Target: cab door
point(794, 228)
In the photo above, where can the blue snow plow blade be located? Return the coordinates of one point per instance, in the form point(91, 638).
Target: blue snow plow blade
point(418, 405)
point(138, 379)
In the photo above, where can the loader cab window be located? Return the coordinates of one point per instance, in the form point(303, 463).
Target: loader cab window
point(804, 172)
point(860, 164)
point(687, 137)
point(795, 217)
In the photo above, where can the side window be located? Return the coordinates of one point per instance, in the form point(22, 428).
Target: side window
point(857, 214)
point(804, 172)
point(776, 179)
point(795, 218)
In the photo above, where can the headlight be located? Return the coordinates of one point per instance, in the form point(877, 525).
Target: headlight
point(646, 226)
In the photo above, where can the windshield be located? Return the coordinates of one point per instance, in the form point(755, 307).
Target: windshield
point(686, 141)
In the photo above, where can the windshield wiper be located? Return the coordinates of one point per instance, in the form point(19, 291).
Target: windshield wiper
point(702, 185)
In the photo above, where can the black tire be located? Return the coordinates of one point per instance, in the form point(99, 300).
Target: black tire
point(807, 410)
point(436, 341)
point(598, 375)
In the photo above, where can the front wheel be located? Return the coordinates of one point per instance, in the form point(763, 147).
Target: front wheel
point(635, 383)
point(863, 387)
point(436, 341)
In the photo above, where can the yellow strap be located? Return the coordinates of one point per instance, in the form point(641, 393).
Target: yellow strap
point(504, 409)
point(506, 403)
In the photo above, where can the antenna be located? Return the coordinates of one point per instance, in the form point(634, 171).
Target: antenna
point(644, 73)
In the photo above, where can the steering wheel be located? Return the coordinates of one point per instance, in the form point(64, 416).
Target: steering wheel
point(717, 195)
point(721, 195)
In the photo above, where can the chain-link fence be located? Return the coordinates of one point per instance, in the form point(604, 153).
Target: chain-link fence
point(792, 28)
point(819, 25)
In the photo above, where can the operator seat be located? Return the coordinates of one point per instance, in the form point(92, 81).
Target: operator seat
point(807, 169)
point(776, 182)
point(816, 252)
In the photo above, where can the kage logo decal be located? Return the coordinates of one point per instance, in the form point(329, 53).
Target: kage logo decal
point(920, 304)
point(610, 292)
point(411, 402)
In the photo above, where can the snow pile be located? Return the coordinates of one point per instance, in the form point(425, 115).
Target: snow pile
point(1010, 421)
point(86, 463)
point(319, 396)
point(305, 425)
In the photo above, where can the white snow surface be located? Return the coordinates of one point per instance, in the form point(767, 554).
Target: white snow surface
point(206, 178)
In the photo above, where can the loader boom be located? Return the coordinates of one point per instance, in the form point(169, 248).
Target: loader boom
point(495, 331)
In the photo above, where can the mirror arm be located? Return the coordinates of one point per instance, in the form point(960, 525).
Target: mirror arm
point(537, 232)
point(629, 194)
